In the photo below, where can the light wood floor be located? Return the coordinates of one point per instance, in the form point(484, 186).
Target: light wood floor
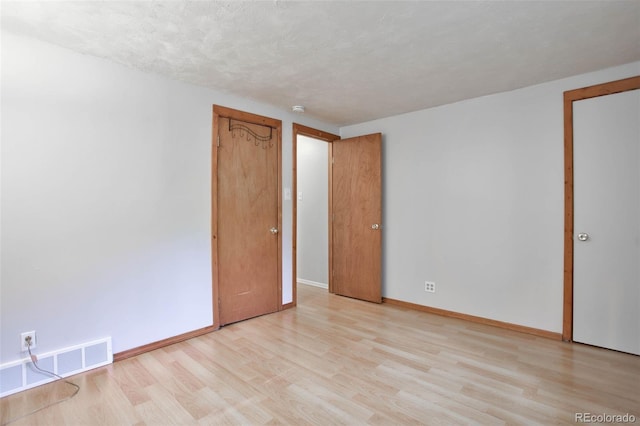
point(334, 360)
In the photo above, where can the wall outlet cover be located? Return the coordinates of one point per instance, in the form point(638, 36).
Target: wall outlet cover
point(23, 340)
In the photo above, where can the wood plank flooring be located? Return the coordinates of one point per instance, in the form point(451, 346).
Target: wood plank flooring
point(335, 360)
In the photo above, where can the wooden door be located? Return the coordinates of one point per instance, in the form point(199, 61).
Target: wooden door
point(606, 132)
point(246, 229)
point(356, 209)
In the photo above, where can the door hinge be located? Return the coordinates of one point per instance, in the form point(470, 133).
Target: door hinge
point(333, 160)
point(218, 140)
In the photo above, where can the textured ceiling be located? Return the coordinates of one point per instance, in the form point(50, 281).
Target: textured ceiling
point(347, 62)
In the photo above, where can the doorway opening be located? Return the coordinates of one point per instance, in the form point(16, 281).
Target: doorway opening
point(311, 254)
point(354, 213)
point(312, 198)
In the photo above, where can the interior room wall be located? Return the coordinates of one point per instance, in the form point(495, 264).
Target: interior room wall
point(474, 201)
point(313, 211)
point(106, 199)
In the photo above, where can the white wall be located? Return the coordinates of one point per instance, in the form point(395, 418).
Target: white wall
point(313, 210)
point(473, 200)
point(106, 196)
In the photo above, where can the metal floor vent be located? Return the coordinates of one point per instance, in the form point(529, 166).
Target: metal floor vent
point(21, 375)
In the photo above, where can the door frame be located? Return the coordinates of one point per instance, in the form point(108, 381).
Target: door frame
point(224, 112)
point(570, 96)
point(299, 129)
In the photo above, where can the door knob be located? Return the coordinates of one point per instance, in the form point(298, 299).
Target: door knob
point(273, 230)
point(375, 226)
point(583, 236)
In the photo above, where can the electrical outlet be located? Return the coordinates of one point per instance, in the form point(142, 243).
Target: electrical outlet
point(430, 286)
point(27, 336)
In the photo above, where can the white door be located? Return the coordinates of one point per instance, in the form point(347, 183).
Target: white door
point(606, 282)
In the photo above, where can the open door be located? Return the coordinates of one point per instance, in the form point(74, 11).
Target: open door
point(356, 217)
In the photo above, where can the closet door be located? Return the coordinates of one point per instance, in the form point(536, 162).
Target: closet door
point(247, 212)
point(606, 280)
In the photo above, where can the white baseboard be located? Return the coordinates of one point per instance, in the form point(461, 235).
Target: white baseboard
point(313, 283)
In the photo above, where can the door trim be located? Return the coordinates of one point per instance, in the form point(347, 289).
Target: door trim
point(299, 129)
point(218, 112)
point(570, 96)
